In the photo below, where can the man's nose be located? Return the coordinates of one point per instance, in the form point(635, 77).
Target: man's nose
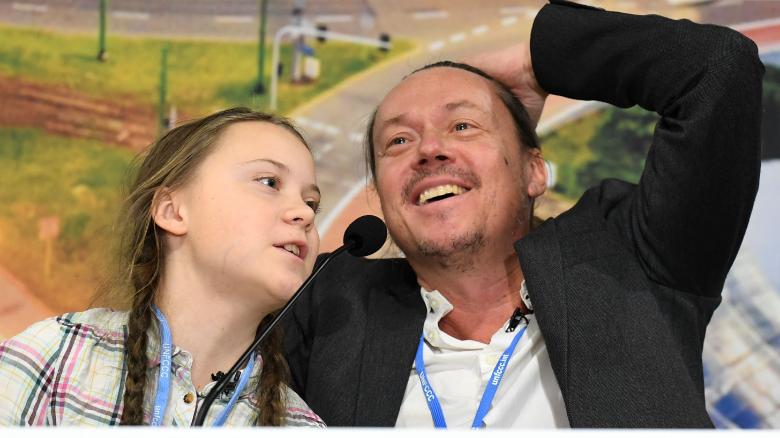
point(432, 151)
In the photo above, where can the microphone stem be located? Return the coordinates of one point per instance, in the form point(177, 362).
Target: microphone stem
point(200, 416)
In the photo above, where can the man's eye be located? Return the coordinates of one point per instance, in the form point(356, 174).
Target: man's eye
point(314, 205)
point(462, 126)
point(398, 140)
point(270, 181)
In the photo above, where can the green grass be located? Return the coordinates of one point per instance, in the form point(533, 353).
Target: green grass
point(79, 182)
point(203, 76)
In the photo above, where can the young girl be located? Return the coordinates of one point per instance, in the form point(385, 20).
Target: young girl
point(218, 234)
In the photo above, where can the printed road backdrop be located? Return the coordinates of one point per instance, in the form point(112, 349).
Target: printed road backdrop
point(87, 84)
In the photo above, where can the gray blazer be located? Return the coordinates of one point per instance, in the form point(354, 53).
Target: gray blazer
point(625, 282)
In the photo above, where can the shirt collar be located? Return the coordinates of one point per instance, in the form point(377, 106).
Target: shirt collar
point(437, 307)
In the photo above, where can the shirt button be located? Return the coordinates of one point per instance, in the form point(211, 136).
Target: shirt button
point(188, 398)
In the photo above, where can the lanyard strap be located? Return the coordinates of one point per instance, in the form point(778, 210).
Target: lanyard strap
point(487, 398)
point(164, 379)
point(250, 365)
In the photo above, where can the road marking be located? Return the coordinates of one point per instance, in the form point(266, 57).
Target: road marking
point(479, 30)
point(234, 19)
point(331, 129)
point(324, 149)
point(343, 203)
point(514, 10)
point(742, 27)
point(436, 46)
point(129, 15)
point(356, 137)
point(458, 37)
point(508, 21)
point(333, 18)
point(29, 7)
point(430, 15)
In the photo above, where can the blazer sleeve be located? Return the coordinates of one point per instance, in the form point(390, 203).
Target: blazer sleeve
point(686, 219)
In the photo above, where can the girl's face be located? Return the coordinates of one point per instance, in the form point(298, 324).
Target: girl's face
point(249, 213)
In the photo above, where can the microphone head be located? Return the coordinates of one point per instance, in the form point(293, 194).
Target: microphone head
point(365, 235)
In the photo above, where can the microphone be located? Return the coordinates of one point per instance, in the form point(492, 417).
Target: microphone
point(364, 236)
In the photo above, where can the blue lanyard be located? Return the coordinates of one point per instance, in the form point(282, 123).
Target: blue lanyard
point(164, 380)
point(487, 398)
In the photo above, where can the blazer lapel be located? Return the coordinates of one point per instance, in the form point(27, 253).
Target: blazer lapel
point(395, 317)
point(540, 258)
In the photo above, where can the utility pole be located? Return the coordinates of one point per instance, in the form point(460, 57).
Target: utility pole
point(260, 85)
point(297, 13)
point(163, 125)
point(101, 56)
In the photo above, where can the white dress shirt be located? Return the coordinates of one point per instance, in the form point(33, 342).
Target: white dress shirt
point(458, 371)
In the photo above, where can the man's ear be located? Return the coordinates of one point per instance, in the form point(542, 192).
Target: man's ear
point(168, 212)
point(537, 169)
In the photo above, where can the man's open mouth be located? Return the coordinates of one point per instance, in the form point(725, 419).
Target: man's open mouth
point(439, 193)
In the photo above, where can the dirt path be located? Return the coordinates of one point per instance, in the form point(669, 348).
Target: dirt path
point(63, 111)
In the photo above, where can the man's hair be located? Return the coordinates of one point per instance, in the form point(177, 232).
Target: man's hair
point(526, 133)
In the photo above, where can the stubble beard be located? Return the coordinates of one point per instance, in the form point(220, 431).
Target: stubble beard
point(457, 253)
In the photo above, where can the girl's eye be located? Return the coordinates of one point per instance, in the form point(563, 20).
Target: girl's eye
point(314, 205)
point(270, 181)
point(462, 126)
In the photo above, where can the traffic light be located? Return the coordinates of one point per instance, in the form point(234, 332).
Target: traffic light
point(385, 38)
point(322, 28)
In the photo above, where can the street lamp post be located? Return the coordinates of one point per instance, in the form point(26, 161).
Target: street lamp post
point(102, 32)
point(260, 85)
point(163, 125)
point(297, 31)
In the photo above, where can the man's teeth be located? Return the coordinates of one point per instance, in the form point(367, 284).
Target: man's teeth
point(293, 248)
point(434, 192)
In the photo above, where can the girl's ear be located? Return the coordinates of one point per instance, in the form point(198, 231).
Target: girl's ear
point(168, 212)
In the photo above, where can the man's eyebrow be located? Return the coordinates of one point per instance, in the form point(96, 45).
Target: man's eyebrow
point(452, 106)
point(399, 119)
point(280, 166)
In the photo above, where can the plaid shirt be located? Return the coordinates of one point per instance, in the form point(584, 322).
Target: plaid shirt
point(70, 370)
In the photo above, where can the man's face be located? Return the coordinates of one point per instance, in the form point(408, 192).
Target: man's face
point(451, 175)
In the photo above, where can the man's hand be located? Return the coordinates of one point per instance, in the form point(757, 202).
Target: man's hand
point(512, 66)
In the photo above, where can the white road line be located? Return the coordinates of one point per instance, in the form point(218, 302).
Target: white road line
point(234, 19)
point(479, 30)
point(436, 46)
point(29, 7)
point(435, 14)
point(333, 18)
point(458, 37)
point(356, 137)
point(334, 212)
point(742, 27)
point(331, 129)
point(514, 10)
point(508, 21)
point(130, 15)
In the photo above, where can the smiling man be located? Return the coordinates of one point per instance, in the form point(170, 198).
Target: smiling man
point(595, 318)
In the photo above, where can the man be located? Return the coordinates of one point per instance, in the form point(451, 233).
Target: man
point(593, 319)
